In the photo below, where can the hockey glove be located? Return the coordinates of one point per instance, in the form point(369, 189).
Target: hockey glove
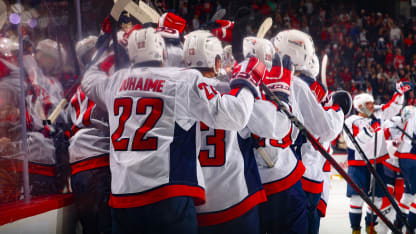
point(172, 21)
point(223, 29)
point(279, 78)
point(340, 98)
point(404, 87)
point(106, 26)
point(248, 73)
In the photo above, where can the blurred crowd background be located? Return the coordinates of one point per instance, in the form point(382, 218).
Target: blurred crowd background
point(369, 50)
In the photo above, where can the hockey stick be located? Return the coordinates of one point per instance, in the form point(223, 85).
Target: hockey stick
point(266, 158)
point(327, 156)
point(373, 184)
point(378, 178)
point(218, 15)
point(406, 134)
point(115, 14)
point(265, 27)
point(323, 70)
point(142, 12)
point(212, 22)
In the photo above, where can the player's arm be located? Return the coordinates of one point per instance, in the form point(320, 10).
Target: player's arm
point(267, 120)
point(94, 84)
point(407, 147)
point(324, 123)
point(229, 111)
point(393, 107)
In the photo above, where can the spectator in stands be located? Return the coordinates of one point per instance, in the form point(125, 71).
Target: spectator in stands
point(396, 34)
point(398, 59)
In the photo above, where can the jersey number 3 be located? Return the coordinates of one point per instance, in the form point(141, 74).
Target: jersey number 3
point(219, 145)
point(140, 143)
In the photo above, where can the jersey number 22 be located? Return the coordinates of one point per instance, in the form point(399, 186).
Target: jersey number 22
point(140, 143)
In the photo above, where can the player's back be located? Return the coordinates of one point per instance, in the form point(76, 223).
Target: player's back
point(152, 146)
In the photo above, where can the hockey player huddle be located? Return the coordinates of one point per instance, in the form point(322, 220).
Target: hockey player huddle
point(183, 140)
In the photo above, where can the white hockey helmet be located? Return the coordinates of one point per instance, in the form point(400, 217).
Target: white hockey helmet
point(297, 44)
point(50, 47)
point(146, 45)
point(259, 47)
point(362, 99)
point(7, 47)
point(201, 49)
point(312, 68)
point(84, 46)
point(407, 112)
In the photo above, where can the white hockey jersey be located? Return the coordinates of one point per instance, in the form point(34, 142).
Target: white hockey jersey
point(232, 181)
point(153, 116)
point(324, 123)
point(41, 159)
point(406, 149)
point(90, 144)
point(287, 169)
point(47, 89)
point(356, 126)
point(394, 137)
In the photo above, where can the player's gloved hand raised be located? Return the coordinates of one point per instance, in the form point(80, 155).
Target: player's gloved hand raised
point(279, 78)
point(248, 73)
point(223, 29)
point(404, 87)
point(339, 98)
point(103, 38)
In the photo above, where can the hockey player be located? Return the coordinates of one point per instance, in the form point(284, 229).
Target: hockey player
point(11, 175)
point(392, 172)
point(89, 150)
point(170, 27)
point(153, 116)
point(325, 123)
point(364, 129)
point(406, 154)
point(231, 207)
point(42, 160)
point(85, 49)
point(285, 209)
